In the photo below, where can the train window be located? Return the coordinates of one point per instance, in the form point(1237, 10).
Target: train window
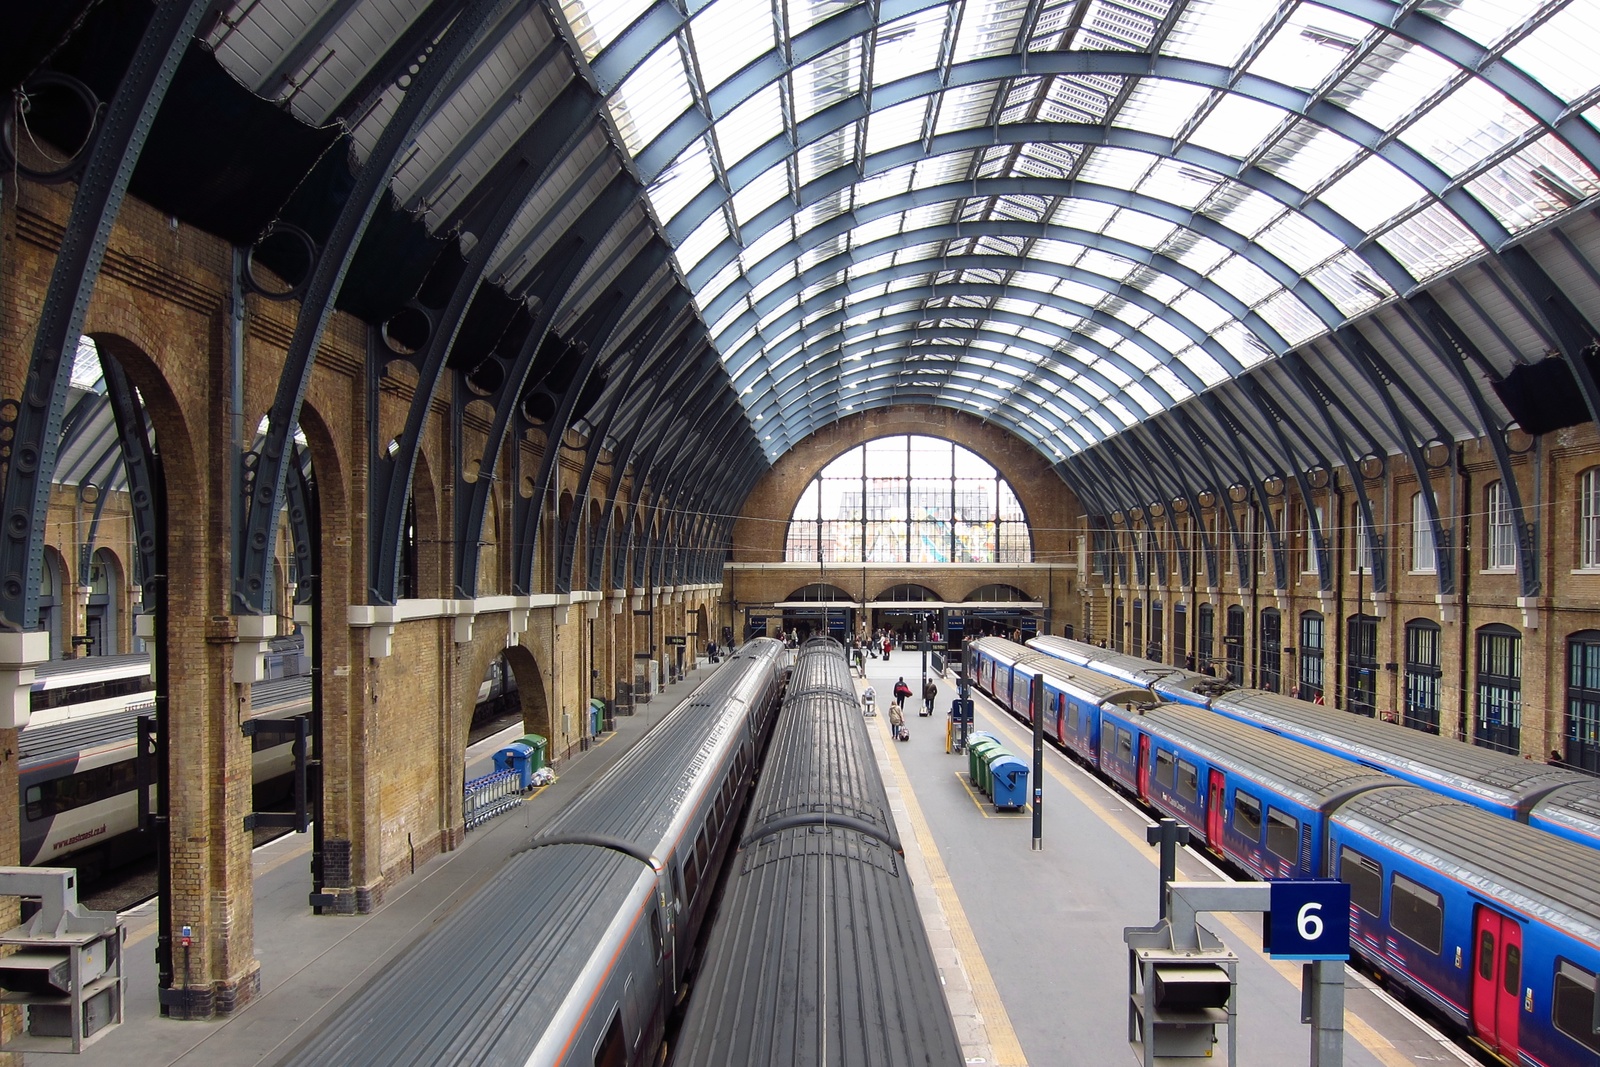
point(691, 879)
point(1573, 1007)
point(1108, 739)
point(1283, 835)
point(1365, 879)
point(1247, 815)
point(75, 790)
point(1125, 746)
point(702, 849)
point(1417, 912)
point(1072, 718)
point(1486, 955)
point(655, 932)
point(1166, 769)
point(1188, 781)
point(611, 1050)
point(1513, 975)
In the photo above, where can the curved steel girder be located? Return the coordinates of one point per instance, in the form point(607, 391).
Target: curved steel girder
point(618, 296)
point(1235, 431)
point(646, 342)
point(694, 123)
point(1570, 326)
point(999, 263)
point(1166, 491)
point(547, 142)
point(842, 225)
point(1428, 411)
point(1126, 459)
point(32, 455)
point(1380, 376)
point(264, 479)
point(300, 500)
point(1275, 418)
point(1192, 479)
point(1440, 330)
point(1224, 506)
point(730, 297)
point(556, 273)
point(138, 463)
point(660, 359)
point(836, 320)
point(1325, 402)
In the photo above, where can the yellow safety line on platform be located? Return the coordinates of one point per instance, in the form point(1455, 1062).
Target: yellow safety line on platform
point(1003, 1041)
point(1354, 1025)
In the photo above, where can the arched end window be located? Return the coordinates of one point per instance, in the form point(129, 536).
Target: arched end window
point(1497, 719)
point(1312, 667)
point(909, 499)
point(1422, 676)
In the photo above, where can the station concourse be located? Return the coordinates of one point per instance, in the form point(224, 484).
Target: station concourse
point(461, 348)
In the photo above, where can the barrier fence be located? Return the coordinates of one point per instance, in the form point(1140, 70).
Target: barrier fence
point(491, 795)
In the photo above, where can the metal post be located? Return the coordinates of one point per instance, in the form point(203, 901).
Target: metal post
point(1169, 835)
point(1327, 1013)
point(1037, 700)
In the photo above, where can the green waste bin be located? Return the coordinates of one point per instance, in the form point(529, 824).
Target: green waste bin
point(537, 745)
point(972, 753)
point(597, 716)
point(987, 750)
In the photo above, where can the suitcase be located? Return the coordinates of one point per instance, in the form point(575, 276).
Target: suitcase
point(905, 733)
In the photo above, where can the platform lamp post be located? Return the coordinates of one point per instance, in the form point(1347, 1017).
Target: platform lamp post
point(1036, 699)
point(922, 639)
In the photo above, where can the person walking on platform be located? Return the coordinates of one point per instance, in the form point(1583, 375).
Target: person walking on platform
point(901, 692)
point(930, 693)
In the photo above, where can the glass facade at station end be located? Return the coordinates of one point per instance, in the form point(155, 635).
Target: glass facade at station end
point(908, 499)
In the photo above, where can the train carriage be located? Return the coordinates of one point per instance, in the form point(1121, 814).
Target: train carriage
point(1073, 696)
point(1571, 811)
point(1189, 687)
point(1495, 924)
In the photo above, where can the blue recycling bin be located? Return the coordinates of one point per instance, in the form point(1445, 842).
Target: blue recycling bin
point(516, 757)
point(1009, 777)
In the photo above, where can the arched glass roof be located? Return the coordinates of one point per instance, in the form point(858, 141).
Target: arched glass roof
point(1071, 216)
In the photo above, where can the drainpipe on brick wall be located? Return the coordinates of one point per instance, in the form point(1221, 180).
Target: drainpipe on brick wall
point(1464, 619)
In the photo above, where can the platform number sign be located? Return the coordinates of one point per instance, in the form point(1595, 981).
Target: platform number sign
point(1308, 921)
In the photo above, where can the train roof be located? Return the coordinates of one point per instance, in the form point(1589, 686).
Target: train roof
point(821, 664)
point(1086, 682)
point(496, 976)
point(776, 986)
point(640, 799)
point(820, 763)
point(1316, 779)
point(1576, 806)
point(85, 670)
point(1145, 672)
point(1538, 873)
point(1495, 776)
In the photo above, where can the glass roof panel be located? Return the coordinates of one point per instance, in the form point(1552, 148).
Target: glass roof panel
point(1311, 44)
point(1485, 21)
point(1308, 154)
point(908, 46)
point(989, 28)
point(1218, 31)
point(1560, 53)
point(1180, 183)
point(651, 98)
point(1430, 242)
point(1392, 81)
point(729, 35)
point(1348, 283)
point(750, 125)
point(1161, 106)
point(597, 25)
point(1372, 193)
point(682, 181)
point(1237, 125)
point(804, 14)
point(1467, 126)
point(1299, 242)
point(828, 153)
point(706, 236)
point(896, 125)
point(761, 193)
point(1537, 182)
point(831, 77)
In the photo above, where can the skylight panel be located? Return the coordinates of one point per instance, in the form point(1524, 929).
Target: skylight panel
point(1041, 160)
point(1467, 126)
point(1372, 193)
point(897, 125)
point(651, 98)
point(1161, 106)
point(918, 253)
point(824, 210)
point(729, 35)
point(1090, 215)
point(682, 181)
point(1120, 410)
point(1246, 281)
point(596, 23)
point(989, 28)
point(729, 317)
point(1308, 154)
point(1136, 355)
point(706, 236)
point(1237, 125)
point(1116, 167)
point(1144, 399)
point(766, 190)
point(1174, 386)
point(1064, 253)
point(908, 46)
point(1117, 26)
point(829, 153)
point(1163, 287)
point(721, 280)
point(1182, 184)
point(941, 170)
point(1485, 21)
point(877, 229)
point(1293, 320)
point(882, 186)
point(1137, 228)
point(1430, 242)
point(965, 107)
point(1350, 284)
point(1218, 31)
point(1207, 369)
point(1560, 54)
point(804, 14)
point(921, 218)
point(764, 245)
point(1242, 209)
point(1299, 242)
point(1021, 208)
point(1200, 310)
point(771, 282)
point(778, 311)
point(1200, 254)
point(750, 125)
point(1241, 344)
point(828, 79)
point(1105, 263)
point(1070, 98)
point(1543, 179)
point(1309, 47)
point(1069, 290)
point(1392, 81)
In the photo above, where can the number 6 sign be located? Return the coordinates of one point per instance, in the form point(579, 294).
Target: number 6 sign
point(1308, 921)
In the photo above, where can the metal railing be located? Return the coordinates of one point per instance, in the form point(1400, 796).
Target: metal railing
point(491, 795)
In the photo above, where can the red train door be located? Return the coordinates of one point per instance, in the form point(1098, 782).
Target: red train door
point(1144, 765)
point(1214, 795)
point(1061, 718)
point(1497, 981)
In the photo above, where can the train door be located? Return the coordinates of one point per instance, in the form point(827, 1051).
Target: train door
point(1497, 981)
point(1144, 765)
point(1061, 718)
point(1216, 788)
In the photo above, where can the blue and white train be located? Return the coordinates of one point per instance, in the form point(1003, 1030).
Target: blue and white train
point(1493, 923)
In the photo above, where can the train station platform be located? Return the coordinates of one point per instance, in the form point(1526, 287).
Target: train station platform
point(311, 963)
point(1030, 943)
